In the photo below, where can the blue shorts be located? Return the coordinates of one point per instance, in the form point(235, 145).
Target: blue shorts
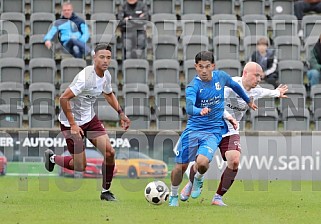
point(193, 143)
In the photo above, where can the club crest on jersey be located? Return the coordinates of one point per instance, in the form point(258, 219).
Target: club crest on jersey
point(218, 86)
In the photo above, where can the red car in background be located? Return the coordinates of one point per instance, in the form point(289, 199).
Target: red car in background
point(3, 164)
point(93, 169)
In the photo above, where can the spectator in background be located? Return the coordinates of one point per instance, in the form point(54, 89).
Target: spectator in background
point(267, 59)
point(303, 6)
point(72, 31)
point(133, 16)
point(315, 64)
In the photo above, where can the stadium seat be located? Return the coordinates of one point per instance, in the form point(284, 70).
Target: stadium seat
point(139, 117)
point(11, 93)
point(194, 24)
point(12, 6)
point(189, 70)
point(113, 70)
point(308, 45)
point(296, 98)
point(317, 119)
point(136, 94)
point(284, 25)
point(288, 47)
point(169, 118)
point(224, 25)
point(103, 23)
point(290, 71)
point(194, 44)
point(38, 48)
point(41, 93)
point(264, 119)
point(12, 46)
point(193, 6)
point(162, 6)
point(12, 70)
point(296, 119)
point(167, 94)
point(223, 7)
point(164, 24)
point(47, 6)
point(63, 87)
point(107, 113)
point(13, 23)
point(165, 47)
point(166, 71)
point(102, 6)
point(315, 95)
point(135, 71)
point(281, 7)
point(311, 25)
point(105, 38)
point(248, 7)
point(70, 67)
point(254, 25)
point(40, 22)
point(230, 66)
point(249, 46)
point(41, 116)
point(10, 116)
point(226, 47)
point(42, 70)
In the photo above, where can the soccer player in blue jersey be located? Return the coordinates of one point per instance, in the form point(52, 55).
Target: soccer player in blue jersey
point(205, 125)
point(230, 146)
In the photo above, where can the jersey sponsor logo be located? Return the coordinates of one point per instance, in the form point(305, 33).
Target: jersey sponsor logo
point(218, 86)
point(236, 108)
point(89, 96)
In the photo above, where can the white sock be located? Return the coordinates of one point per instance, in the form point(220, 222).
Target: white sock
point(104, 190)
point(198, 175)
point(52, 158)
point(174, 190)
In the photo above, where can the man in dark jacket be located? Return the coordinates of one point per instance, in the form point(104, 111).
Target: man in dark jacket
point(267, 59)
point(133, 16)
point(73, 32)
point(315, 64)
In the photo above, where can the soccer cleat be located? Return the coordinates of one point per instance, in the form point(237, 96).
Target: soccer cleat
point(186, 192)
point(197, 187)
point(48, 164)
point(108, 196)
point(173, 201)
point(217, 200)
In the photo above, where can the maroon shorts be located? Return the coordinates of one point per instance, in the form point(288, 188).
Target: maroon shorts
point(228, 143)
point(92, 130)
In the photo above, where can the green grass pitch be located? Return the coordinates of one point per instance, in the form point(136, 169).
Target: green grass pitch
point(59, 200)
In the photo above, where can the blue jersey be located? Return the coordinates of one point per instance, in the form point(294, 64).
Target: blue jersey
point(201, 94)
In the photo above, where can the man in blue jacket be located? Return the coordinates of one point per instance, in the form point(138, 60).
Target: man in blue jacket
point(72, 31)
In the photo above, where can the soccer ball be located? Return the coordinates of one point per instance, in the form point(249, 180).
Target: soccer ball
point(156, 192)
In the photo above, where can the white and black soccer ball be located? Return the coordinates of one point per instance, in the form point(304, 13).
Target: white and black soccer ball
point(156, 192)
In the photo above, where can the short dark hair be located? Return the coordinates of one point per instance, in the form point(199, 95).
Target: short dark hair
point(204, 56)
point(102, 46)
